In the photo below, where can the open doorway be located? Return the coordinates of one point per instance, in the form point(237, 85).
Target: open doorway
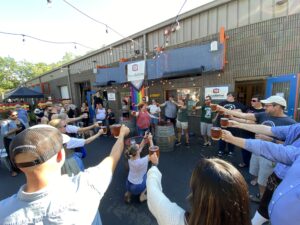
point(82, 89)
point(246, 89)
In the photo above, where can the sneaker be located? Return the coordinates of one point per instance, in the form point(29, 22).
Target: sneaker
point(242, 165)
point(255, 198)
point(205, 144)
point(253, 182)
point(177, 143)
point(230, 154)
point(187, 145)
point(220, 153)
point(143, 197)
point(127, 197)
point(209, 143)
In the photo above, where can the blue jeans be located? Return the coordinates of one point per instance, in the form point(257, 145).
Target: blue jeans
point(141, 132)
point(136, 189)
point(78, 160)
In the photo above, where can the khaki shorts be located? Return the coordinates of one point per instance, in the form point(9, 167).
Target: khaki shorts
point(182, 125)
point(205, 128)
point(261, 168)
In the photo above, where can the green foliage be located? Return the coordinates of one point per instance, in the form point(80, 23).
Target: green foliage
point(13, 73)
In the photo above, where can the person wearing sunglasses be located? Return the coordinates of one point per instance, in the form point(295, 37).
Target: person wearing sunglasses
point(281, 197)
point(256, 107)
point(9, 129)
point(262, 167)
point(73, 164)
point(48, 197)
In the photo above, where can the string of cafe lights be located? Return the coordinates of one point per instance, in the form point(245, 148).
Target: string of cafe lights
point(175, 26)
point(107, 27)
point(46, 41)
point(158, 50)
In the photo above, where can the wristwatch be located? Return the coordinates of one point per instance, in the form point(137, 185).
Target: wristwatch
point(274, 140)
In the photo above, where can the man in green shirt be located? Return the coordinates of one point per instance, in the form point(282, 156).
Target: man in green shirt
point(182, 122)
point(206, 121)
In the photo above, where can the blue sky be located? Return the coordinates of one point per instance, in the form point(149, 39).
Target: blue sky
point(60, 23)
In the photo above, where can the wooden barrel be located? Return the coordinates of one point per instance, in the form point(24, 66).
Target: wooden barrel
point(131, 124)
point(165, 137)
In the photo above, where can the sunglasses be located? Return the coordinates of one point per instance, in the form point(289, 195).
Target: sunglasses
point(253, 100)
point(14, 114)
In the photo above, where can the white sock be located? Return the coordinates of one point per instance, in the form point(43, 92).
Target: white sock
point(258, 219)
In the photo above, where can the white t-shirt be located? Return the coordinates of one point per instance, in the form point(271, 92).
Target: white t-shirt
point(75, 143)
point(101, 114)
point(70, 200)
point(153, 109)
point(164, 211)
point(72, 129)
point(137, 169)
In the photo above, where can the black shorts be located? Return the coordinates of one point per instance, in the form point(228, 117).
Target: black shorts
point(272, 184)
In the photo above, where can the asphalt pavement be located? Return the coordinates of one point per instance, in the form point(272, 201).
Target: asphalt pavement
point(176, 168)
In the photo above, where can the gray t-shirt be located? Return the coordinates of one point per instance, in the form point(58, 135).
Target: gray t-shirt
point(71, 200)
point(170, 109)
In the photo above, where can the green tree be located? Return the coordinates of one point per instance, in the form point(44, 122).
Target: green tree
point(13, 73)
point(8, 73)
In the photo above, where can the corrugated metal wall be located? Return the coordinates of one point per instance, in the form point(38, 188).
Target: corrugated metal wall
point(254, 48)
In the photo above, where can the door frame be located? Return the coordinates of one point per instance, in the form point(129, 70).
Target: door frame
point(293, 92)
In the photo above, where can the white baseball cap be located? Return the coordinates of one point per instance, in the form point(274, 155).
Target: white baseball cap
point(275, 99)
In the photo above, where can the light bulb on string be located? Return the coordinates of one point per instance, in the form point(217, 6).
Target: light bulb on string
point(106, 29)
point(178, 25)
point(23, 38)
point(49, 3)
point(75, 47)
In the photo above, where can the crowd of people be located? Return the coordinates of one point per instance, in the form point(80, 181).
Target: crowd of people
point(50, 156)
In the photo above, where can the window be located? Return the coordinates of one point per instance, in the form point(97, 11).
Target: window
point(64, 92)
point(190, 95)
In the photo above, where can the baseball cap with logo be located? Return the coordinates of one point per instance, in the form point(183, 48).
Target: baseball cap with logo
point(275, 99)
point(40, 142)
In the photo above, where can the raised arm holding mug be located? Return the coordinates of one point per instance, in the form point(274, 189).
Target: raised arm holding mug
point(260, 167)
point(48, 197)
point(284, 180)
